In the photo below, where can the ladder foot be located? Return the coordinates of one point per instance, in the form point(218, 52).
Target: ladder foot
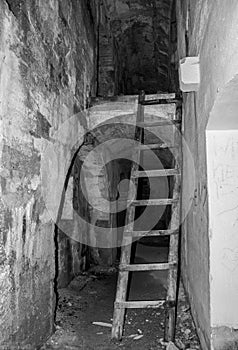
point(117, 332)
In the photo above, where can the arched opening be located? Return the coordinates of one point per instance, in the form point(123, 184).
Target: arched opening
point(84, 207)
point(91, 265)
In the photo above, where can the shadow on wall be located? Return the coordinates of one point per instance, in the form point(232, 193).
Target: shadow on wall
point(139, 68)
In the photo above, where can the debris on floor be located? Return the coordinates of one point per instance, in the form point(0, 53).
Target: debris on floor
point(186, 336)
point(81, 281)
point(171, 346)
point(137, 337)
point(91, 297)
point(102, 324)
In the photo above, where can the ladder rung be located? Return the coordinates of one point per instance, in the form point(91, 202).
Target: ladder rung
point(151, 304)
point(148, 267)
point(154, 173)
point(156, 146)
point(178, 101)
point(151, 233)
point(144, 202)
point(158, 123)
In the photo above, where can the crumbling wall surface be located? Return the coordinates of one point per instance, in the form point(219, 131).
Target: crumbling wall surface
point(212, 34)
point(46, 72)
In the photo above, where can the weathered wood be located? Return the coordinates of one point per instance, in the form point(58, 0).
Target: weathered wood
point(156, 173)
point(122, 283)
point(162, 101)
point(152, 233)
point(159, 123)
point(144, 202)
point(131, 98)
point(170, 319)
point(151, 304)
point(160, 96)
point(148, 267)
point(155, 146)
point(173, 231)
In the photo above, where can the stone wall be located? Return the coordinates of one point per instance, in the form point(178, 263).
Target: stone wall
point(108, 63)
point(47, 71)
point(212, 30)
point(173, 78)
point(142, 30)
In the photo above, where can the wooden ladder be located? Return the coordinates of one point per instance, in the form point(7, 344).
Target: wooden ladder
point(121, 304)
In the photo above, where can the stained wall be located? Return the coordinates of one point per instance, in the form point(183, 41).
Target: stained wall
point(47, 71)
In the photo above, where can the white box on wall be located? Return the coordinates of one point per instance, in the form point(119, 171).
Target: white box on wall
point(189, 74)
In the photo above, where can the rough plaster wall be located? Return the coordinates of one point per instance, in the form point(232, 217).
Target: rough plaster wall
point(212, 34)
point(142, 30)
point(96, 181)
point(173, 85)
point(108, 63)
point(101, 178)
point(72, 251)
point(47, 58)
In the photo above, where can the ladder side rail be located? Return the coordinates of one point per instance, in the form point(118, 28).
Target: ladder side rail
point(174, 242)
point(122, 282)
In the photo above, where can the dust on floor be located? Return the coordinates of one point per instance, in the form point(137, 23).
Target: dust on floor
point(89, 298)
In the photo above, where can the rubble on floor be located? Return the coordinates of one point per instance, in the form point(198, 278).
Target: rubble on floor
point(89, 299)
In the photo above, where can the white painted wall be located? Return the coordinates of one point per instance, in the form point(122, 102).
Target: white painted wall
point(222, 161)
